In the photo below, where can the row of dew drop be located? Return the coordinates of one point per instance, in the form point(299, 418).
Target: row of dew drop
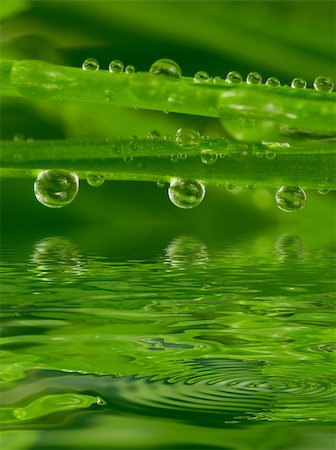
point(170, 68)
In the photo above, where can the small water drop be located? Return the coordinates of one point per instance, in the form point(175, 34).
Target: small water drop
point(201, 77)
point(133, 145)
point(186, 193)
point(323, 84)
point(166, 67)
point(290, 198)
point(18, 137)
point(129, 68)
point(272, 81)
point(128, 159)
point(254, 78)
point(187, 137)
point(56, 188)
point(161, 183)
point(234, 188)
point(116, 148)
point(270, 155)
point(30, 140)
point(217, 79)
point(90, 64)
point(233, 77)
point(109, 95)
point(323, 191)
point(299, 83)
point(116, 66)
point(175, 158)
point(95, 179)
point(154, 134)
point(208, 157)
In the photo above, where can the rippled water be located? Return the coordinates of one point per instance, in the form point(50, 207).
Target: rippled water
point(195, 346)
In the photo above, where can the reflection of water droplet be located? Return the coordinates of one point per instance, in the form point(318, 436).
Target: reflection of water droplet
point(208, 157)
point(90, 64)
point(95, 179)
point(298, 83)
point(56, 188)
point(201, 77)
point(186, 193)
point(129, 68)
point(272, 81)
point(166, 67)
point(253, 78)
point(186, 250)
point(116, 66)
point(290, 198)
point(233, 77)
point(187, 137)
point(323, 84)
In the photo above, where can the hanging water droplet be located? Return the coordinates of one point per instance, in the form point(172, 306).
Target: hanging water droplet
point(201, 77)
point(290, 198)
point(299, 83)
point(233, 77)
point(323, 84)
point(129, 68)
point(272, 81)
point(116, 66)
point(187, 137)
point(161, 183)
point(95, 179)
point(186, 193)
point(166, 67)
point(56, 188)
point(208, 157)
point(323, 191)
point(254, 78)
point(90, 64)
point(154, 134)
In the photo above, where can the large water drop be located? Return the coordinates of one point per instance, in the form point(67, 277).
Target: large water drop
point(187, 138)
point(95, 179)
point(254, 78)
point(299, 83)
point(186, 193)
point(166, 67)
point(290, 198)
point(323, 84)
point(90, 64)
point(233, 77)
point(201, 77)
point(208, 157)
point(56, 188)
point(116, 66)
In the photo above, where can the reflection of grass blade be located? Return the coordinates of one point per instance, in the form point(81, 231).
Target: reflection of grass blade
point(311, 165)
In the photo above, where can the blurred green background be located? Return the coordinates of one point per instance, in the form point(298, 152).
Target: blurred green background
point(285, 39)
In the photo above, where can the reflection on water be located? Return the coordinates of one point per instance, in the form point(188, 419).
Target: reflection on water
point(234, 338)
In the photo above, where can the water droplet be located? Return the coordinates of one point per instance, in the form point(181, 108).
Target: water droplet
point(90, 64)
point(183, 156)
point(95, 179)
point(116, 148)
point(166, 67)
point(234, 188)
point(109, 96)
point(217, 79)
point(253, 78)
point(290, 198)
point(18, 137)
point(128, 159)
point(233, 77)
point(299, 83)
point(116, 66)
point(161, 183)
point(133, 145)
point(130, 68)
point(174, 158)
point(56, 188)
point(323, 191)
point(208, 157)
point(270, 155)
point(154, 134)
point(187, 137)
point(323, 84)
point(201, 77)
point(272, 82)
point(186, 193)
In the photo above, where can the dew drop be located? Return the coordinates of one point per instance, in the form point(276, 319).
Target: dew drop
point(129, 68)
point(56, 188)
point(270, 155)
point(201, 77)
point(233, 77)
point(323, 191)
point(116, 66)
point(208, 157)
point(272, 81)
point(90, 64)
point(217, 79)
point(186, 193)
point(253, 78)
point(161, 183)
point(234, 188)
point(95, 179)
point(109, 96)
point(154, 134)
point(174, 158)
point(323, 84)
point(166, 67)
point(187, 137)
point(290, 198)
point(299, 83)
point(128, 159)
